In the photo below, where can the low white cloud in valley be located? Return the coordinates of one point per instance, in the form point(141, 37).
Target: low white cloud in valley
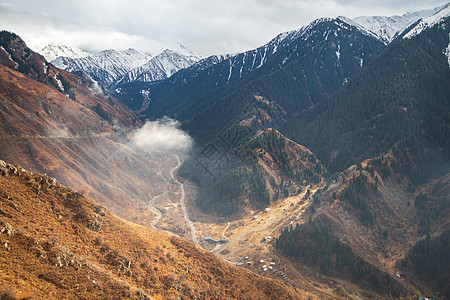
point(162, 135)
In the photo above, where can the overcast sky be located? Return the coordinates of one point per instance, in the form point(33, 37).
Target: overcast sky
point(204, 26)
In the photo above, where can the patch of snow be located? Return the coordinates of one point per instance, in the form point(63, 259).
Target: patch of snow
point(211, 60)
point(361, 28)
point(385, 28)
point(145, 93)
point(263, 58)
point(231, 69)
point(424, 13)
point(274, 49)
point(243, 64)
point(16, 65)
point(146, 102)
point(59, 83)
point(338, 52)
point(447, 51)
point(254, 59)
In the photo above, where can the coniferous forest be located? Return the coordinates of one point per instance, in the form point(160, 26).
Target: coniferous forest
point(400, 99)
point(315, 244)
point(430, 259)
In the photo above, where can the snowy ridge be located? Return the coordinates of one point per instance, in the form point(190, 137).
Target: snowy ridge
point(305, 31)
point(114, 67)
point(361, 28)
point(180, 49)
point(429, 21)
point(279, 51)
point(117, 62)
point(160, 67)
point(106, 66)
point(52, 51)
point(238, 65)
point(386, 28)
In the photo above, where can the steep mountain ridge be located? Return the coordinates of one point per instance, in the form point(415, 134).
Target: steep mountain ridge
point(403, 70)
point(252, 171)
point(310, 64)
point(383, 133)
point(372, 208)
point(216, 73)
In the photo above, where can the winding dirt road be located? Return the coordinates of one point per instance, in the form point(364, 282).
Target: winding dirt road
point(186, 216)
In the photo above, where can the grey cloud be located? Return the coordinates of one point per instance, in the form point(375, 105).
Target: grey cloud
point(205, 26)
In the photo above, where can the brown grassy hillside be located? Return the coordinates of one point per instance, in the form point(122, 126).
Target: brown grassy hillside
point(45, 131)
point(15, 55)
point(57, 244)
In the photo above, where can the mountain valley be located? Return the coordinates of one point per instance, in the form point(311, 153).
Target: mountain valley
point(318, 162)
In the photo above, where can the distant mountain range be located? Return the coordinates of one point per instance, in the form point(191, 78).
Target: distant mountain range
point(131, 73)
point(104, 67)
point(216, 72)
point(110, 67)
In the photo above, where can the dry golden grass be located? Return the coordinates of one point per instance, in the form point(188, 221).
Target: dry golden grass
point(62, 245)
point(47, 132)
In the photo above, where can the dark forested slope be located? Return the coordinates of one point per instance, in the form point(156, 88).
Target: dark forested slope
point(401, 98)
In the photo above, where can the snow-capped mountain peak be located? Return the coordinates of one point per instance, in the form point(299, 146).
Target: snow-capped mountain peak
point(388, 28)
point(385, 28)
point(425, 13)
point(52, 51)
point(180, 49)
point(113, 66)
point(161, 66)
point(429, 21)
point(105, 66)
point(126, 60)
